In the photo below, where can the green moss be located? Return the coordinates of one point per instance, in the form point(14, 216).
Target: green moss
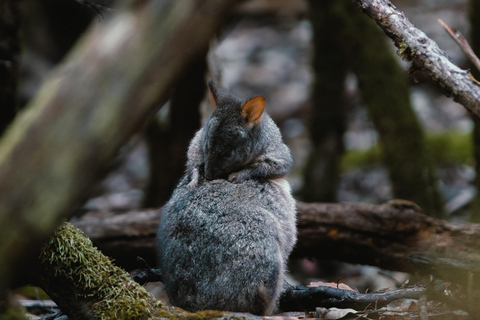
point(361, 158)
point(70, 256)
point(451, 148)
point(446, 148)
point(405, 52)
point(71, 263)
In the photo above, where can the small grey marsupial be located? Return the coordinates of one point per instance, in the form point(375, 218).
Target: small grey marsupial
point(227, 231)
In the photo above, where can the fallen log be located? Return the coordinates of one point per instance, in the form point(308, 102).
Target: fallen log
point(385, 235)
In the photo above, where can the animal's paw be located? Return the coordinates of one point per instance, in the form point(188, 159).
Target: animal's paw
point(192, 184)
point(193, 176)
point(234, 177)
point(237, 177)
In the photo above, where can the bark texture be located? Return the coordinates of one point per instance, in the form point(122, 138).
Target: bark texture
point(111, 82)
point(394, 236)
point(424, 53)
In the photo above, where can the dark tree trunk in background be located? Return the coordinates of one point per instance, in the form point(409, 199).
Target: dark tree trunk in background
point(9, 59)
point(327, 123)
point(168, 142)
point(53, 26)
point(385, 88)
point(475, 43)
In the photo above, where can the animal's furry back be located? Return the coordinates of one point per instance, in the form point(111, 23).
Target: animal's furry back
point(224, 245)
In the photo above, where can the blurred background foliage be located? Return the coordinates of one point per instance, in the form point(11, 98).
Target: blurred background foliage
point(360, 127)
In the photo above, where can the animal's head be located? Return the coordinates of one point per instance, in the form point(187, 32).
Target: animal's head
point(231, 133)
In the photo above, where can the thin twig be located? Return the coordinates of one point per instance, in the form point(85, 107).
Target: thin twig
point(458, 37)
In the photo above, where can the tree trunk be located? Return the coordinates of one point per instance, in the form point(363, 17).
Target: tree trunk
point(385, 88)
point(110, 84)
point(327, 123)
point(168, 142)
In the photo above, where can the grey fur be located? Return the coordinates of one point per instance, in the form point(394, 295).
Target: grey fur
point(224, 241)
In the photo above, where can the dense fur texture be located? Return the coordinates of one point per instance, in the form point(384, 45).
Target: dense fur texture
point(226, 233)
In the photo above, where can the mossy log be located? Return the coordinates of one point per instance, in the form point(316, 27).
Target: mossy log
point(384, 235)
point(86, 285)
point(415, 46)
point(114, 79)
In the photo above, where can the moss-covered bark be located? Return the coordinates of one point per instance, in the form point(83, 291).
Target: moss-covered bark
point(168, 143)
point(385, 88)
point(86, 285)
point(327, 122)
point(475, 43)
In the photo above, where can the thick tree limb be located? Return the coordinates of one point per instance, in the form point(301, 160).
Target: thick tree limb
point(384, 235)
point(88, 108)
point(424, 53)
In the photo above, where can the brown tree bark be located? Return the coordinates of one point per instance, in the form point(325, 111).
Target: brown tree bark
point(89, 107)
point(394, 236)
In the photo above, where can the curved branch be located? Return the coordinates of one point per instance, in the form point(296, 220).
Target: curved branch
point(424, 53)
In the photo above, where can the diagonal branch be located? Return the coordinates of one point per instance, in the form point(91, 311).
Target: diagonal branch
point(414, 45)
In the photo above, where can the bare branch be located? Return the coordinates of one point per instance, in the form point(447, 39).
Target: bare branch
point(424, 53)
point(458, 37)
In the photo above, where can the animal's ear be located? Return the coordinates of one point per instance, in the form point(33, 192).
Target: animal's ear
point(213, 92)
point(253, 109)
